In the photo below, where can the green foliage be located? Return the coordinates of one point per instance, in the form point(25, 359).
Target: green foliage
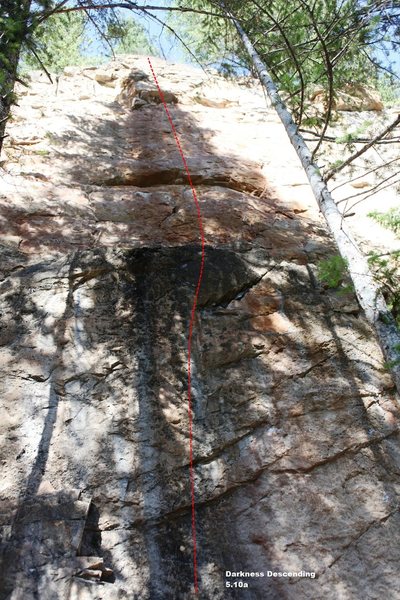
point(313, 121)
point(346, 138)
point(41, 152)
point(393, 363)
point(58, 43)
point(389, 219)
point(333, 271)
point(387, 274)
point(335, 164)
point(208, 40)
point(13, 31)
point(350, 136)
point(66, 39)
point(129, 37)
point(386, 267)
point(304, 43)
point(388, 88)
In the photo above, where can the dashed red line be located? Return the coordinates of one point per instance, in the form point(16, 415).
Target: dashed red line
point(191, 325)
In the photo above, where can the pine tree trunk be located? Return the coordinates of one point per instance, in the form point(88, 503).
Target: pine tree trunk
point(366, 288)
point(14, 16)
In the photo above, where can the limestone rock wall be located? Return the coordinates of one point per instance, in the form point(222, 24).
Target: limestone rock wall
point(295, 418)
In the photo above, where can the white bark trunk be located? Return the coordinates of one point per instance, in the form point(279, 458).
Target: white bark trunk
point(366, 289)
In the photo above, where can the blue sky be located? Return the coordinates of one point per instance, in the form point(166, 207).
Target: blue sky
point(169, 47)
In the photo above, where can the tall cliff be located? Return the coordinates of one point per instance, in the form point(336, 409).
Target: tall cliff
point(295, 420)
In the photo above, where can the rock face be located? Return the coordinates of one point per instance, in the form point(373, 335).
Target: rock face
point(295, 439)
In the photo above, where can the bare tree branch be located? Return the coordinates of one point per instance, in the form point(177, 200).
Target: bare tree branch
point(365, 173)
point(178, 37)
point(48, 14)
point(337, 140)
point(384, 187)
point(381, 135)
point(32, 49)
point(100, 32)
point(374, 189)
point(132, 6)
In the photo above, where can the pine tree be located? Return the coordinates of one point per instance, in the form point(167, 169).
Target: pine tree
point(127, 36)
point(14, 23)
point(56, 43)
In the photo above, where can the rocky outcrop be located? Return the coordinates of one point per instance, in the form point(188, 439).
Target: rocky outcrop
point(137, 91)
point(353, 97)
point(295, 443)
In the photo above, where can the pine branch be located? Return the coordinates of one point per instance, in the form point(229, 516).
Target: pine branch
point(292, 54)
point(329, 73)
point(48, 14)
point(337, 140)
point(128, 6)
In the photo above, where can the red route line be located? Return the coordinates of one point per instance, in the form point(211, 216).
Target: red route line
point(191, 325)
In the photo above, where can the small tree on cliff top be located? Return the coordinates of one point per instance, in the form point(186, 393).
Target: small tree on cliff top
point(56, 44)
